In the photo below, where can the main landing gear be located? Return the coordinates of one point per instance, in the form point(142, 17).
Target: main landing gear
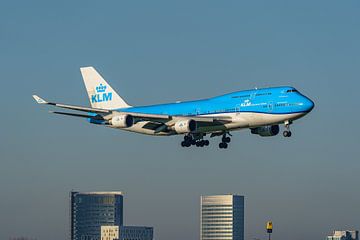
point(196, 140)
point(287, 132)
point(224, 141)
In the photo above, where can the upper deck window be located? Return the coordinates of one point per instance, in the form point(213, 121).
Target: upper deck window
point(292, 90)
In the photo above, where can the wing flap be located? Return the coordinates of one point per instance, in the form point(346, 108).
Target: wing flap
point(96, 117)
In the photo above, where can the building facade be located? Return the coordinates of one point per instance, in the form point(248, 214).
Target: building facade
point(91, 210)
point(344, 235)
point(136, 233)
point(222, 217)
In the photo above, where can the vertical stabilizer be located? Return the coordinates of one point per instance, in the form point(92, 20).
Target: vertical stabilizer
point(101, 95)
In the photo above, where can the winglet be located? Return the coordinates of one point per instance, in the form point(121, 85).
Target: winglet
point(39, 99)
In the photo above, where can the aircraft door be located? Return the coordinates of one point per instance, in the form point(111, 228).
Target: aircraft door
point(270, 106)
point(237, 109)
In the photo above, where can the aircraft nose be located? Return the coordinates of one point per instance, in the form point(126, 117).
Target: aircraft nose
point(308, 104)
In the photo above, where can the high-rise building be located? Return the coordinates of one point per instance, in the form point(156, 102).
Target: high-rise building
point(344, 235)
point(222, 217)
point(91, 210)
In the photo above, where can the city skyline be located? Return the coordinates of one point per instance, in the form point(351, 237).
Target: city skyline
point(161, 51)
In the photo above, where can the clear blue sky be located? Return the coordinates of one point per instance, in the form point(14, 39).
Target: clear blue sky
point(162, 51)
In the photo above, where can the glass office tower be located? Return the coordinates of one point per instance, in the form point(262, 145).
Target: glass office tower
point(222, 217)
point(91, 210)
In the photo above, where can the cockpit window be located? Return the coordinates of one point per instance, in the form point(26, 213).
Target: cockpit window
point(292, 90)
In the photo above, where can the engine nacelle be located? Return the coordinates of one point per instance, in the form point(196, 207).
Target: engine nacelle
point(266, 131)
point(122, 121)
point(185, 126)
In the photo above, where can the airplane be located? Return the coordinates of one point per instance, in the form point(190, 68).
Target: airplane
point(260, 110)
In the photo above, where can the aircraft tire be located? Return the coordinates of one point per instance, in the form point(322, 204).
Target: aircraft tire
point(287, 134)
point(206, 142)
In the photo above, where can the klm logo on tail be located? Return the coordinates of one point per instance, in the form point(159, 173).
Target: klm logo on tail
point(101, 95)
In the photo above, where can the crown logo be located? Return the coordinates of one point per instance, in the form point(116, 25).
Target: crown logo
point(101, 88)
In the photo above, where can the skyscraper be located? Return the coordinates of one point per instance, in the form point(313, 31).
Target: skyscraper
point(222, 217)
point(91, 210)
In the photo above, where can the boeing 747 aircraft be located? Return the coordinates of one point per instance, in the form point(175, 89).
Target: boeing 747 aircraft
point(260, 110)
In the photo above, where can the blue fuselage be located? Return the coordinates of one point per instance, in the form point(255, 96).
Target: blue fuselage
point(277, 100)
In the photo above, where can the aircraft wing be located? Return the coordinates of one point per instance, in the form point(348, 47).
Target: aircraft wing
point(205, 119)
point(159, 122)
point(71, 107)
point(169, 119)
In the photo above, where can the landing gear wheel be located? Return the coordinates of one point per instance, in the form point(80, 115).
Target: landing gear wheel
point(223, 145)
point(206, 142)
point(183, 144)
point(287, 133)
point(187, 138)
point(226, 139)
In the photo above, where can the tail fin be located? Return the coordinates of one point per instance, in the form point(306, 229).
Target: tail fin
point(101, 94)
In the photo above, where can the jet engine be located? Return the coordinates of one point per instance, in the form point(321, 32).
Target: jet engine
point(185, 126)
point(266, 131)
point(122, 121)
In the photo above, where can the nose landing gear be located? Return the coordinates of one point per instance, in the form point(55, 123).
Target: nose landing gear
point(287, 132)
